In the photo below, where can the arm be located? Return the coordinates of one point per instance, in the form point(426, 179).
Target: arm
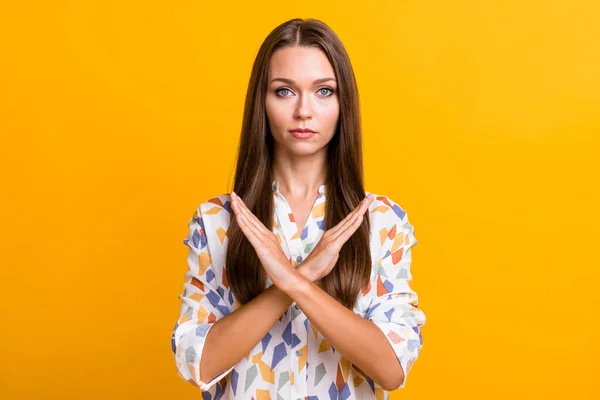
point(395, 306)
point(234, 336)
point(359, 340)
point(385, 343)
point(210, 337)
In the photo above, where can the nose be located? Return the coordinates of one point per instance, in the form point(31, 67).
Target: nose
point(303, 110)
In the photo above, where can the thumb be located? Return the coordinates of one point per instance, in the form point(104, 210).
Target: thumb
point(332, 264)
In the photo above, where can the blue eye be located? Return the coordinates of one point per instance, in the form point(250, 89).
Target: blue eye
point(327, 95)
point(278, 91)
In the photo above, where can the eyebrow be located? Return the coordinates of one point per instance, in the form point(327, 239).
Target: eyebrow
point(291, 82)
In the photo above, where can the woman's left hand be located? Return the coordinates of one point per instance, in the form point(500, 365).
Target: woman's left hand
point(264, 241)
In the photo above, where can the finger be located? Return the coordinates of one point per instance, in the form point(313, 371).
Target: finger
point(343, 236)
point(346, 219)
point(360, 209)
point(248, 231)
point(251, 220)
point(242, 210)
point(331, 264)
point(353, 223)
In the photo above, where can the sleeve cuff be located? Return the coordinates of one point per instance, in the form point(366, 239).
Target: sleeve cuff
point(189, 349)
point(405, 342)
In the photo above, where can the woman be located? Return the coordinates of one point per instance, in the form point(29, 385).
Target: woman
point(293, 289)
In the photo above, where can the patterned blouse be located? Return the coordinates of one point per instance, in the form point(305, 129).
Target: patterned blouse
point(293, 360)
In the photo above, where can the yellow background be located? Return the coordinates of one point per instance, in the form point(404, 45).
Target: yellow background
point(481, 119)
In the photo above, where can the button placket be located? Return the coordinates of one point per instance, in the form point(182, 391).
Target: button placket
point(299, 328)
point(298, 260)
point(282, 203)
point(293, 389)
point(295, 247)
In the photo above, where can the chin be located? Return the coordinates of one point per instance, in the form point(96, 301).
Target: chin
point(305, 149)
point(299, 147)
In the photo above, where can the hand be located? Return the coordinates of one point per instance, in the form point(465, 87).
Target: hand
point(323, 257)
point(264, 241)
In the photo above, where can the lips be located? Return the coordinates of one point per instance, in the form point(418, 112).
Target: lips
point(302, 133)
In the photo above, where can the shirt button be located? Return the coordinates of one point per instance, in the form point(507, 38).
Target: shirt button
point(299, 259)
point(298, 353)
point(296, 307)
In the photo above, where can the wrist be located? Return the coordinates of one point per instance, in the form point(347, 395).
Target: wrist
point(305, 270)
point(296, 282)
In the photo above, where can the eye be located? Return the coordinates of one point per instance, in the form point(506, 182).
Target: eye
point(326, 88)
point(279, 90)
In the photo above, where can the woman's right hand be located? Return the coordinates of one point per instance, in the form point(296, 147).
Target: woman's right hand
point(276, 264)
point(323, 257)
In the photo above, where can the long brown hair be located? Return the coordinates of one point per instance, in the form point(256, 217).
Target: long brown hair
point(344, 177)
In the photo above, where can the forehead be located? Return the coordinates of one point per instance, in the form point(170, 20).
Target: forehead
point(302, 64)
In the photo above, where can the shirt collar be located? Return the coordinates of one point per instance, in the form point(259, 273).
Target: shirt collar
point(275, 187)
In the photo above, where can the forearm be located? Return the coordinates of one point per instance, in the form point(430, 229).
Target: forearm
point(233, 336)
point(359, 340)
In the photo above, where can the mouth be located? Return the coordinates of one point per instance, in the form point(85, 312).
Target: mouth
point(302, 133)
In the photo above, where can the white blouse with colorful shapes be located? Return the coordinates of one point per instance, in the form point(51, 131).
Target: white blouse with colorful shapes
point(293, 360)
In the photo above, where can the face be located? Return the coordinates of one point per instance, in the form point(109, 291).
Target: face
point(301, 100)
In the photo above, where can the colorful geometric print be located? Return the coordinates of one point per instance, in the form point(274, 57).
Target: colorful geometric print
point(293, 360)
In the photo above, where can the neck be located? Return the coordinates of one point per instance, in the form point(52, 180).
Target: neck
point(300, 176)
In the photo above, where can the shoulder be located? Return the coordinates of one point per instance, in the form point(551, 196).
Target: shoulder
point(214, 211)
point(384, 210)
point(218, 205)
point(211, 217)
point(389, 223)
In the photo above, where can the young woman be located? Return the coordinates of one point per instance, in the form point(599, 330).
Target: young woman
point(298, 283)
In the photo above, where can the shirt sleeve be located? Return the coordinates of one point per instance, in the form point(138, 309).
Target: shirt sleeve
point(202, 304)
point(394, 308)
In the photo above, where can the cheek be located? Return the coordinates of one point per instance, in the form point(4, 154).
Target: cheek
point(331, 114)
point(269, 108)
point(275, 112)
